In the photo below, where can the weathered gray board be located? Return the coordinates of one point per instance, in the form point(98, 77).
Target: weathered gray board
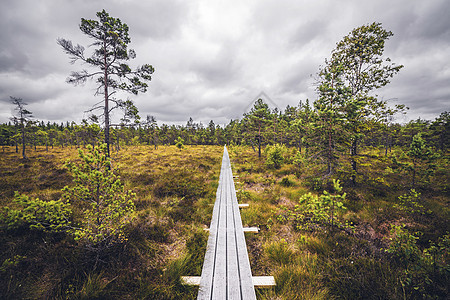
point(226, 272)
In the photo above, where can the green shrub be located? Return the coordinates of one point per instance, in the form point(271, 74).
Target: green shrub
point(50, 216)
point(286, 182)
point(107, 207)
point(424, 274)
point(275, 155)
point(410, 203)
point(316, 212)
point(179, 143)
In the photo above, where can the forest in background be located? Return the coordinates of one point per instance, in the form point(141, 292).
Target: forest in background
point(301, 127)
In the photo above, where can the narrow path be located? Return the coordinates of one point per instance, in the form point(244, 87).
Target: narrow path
point(226, 270)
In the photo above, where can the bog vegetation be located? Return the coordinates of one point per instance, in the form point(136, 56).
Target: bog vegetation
point(350, 204)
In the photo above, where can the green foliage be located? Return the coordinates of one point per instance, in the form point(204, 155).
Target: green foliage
point(11, 262)
point(21, 119)
point(51, 216)
point(438, 255)
point(345, 107)
point(403, 246)
point(275, 155)
point(319, 212)
point(107, 207)
point(255, 123)
point(420, 155)
point(299, 159)
point(410, 203)
point(111, 37)
point(418, 148)
point(440, 131)
point(179, 143)
point(425, 274)
point(306, 266)
point(287, 182)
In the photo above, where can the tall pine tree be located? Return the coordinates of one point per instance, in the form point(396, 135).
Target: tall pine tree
point(108, 60)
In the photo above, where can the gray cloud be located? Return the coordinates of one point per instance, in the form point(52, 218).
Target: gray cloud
point(212, 58)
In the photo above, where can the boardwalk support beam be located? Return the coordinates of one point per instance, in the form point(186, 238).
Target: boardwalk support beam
point(259, 282)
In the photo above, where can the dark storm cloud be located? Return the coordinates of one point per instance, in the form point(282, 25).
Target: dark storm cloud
point(212, 58)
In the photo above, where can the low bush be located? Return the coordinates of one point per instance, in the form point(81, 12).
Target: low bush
point(275, 155)
point(52, 216)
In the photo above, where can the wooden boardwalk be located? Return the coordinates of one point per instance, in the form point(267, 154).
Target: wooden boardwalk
point(226, 270)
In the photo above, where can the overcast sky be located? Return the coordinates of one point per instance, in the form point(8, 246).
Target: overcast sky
point(213, 58)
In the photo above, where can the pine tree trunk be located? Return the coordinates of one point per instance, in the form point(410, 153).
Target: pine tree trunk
point(353, 161)
point(106, 111)
point(23, 141)
point(259, 140)
point(300, 145)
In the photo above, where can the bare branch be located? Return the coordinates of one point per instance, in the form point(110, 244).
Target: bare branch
point(75, 52)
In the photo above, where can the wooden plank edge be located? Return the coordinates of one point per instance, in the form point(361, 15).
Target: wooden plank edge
point(240, 205)
point(263, 281)
point(190, 280)
point(251, 229)
point(258, 281)
point(245, 229)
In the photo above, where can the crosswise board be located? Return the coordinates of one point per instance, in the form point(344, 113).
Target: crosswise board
point(226, 272)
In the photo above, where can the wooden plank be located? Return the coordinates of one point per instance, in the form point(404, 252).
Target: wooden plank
point(247, 288)
point(226, 272)
point(233, 285)
point(251, 229)
point(258, 281)
point(263, 281)
point(191, 280)
point(219, 290)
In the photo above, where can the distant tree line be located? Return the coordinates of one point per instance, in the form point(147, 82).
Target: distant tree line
point(296, 126)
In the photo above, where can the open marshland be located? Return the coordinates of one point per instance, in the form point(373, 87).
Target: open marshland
point(376, 246)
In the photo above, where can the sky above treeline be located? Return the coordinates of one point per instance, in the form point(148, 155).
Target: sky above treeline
point(214, 58)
